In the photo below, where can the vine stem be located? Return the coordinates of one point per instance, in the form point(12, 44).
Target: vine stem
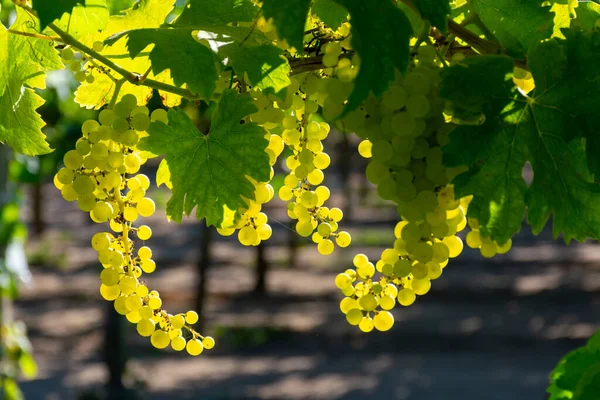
point(131, 77)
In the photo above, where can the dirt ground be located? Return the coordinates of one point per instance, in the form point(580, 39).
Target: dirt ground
point(489, 329)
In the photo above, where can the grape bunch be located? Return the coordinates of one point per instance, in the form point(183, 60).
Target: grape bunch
point(291, 122)
point(404, 132)
point(102, 175)
point(79, 63)
point(488, 247)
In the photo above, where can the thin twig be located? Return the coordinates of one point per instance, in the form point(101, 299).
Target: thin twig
point(35, 35)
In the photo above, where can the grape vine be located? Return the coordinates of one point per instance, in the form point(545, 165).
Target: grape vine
point(450, 101)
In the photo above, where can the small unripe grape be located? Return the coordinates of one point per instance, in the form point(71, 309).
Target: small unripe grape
point(144, 232)
point(191, 317)
point(354, 316)
point(160, 339)
point(194, 347)
point(178, 343)
point(208, 342)
point(98, 46)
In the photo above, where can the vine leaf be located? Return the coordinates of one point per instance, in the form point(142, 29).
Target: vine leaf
point(436, 11)
point(264, 65)
point(289, 18)
point(517, 24)
point(217, 12)
point(175, 49)
point(23, 61)
point(329, 12)
point(192, 53)
point(84, 20)
point(382, 46)
point(577, 375)
point(211, 171)
point(48, 11)
point(146, 14)
point(544, 128)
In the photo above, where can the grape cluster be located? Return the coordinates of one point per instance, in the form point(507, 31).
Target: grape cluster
point(290, 122)
point(102, 175)
point(78, 63)
point(403, 134)
point(253, 225)
point(488, 247)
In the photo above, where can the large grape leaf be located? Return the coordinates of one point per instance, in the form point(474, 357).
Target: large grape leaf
point(577, 375)
point(436, 11)
point(517, 24)
point(380, 35)
point(145, 14)
point(85, 20)
point(175, 49)
point(217, 12)
point(289, 18)
point(544, 128)
point(49, 10)
point(264, 65)
point(331, 13)
point(193, 60)
point(23, 62)
point(211, 171)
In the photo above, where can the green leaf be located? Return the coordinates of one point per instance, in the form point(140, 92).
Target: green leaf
point(221, 12)
point(48, 11)
point(211, 171)
point(289, 17)
point(516, 24)
point(189, 61)
point(85, 20)
point(436, 11)
point(380, 35)
point(23, 61)
point(265, 66)
point(494, 176)
point(145, 14)
point(331, 13)
point(543, 128)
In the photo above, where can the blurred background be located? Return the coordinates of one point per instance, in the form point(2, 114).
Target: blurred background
point(489, 329)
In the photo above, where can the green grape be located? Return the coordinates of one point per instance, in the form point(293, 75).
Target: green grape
point(488, 250)
point(65, 176)
point(383, 321)
point(420, 270)
point(336, 215)
point(80, 76)
point(75, 65)
point(160, 339)
point(109, 293)
point(247, 236)
point(103, 211)
point(342, 281)
point(208, 342)
point(194, 347)
point(441, 252)
point(421, 286)
point(98, 46)
point(154, 302)
point(83, 147)
point(325, 247)
point(503, 249)
point(406, 297)
point(67, 54)
point(146, 327)
point(366, 324)
point(364, 149)
point(348, 304)
point(395, 98)
point(418, 106)
point(73, 160)
point(455, 245)
point(402, 268)
point(417, 83)
point(144, 232)
point(403, 124)
point(343, 239)
point(304, 228)
point(191, 317)
point(148, 266)
point(178, 343)
point(90, 78)
point(382, 150)
point(146, 207)
point(434, 270)
point(354, 316)
point(376, 172)
point(140, 122)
